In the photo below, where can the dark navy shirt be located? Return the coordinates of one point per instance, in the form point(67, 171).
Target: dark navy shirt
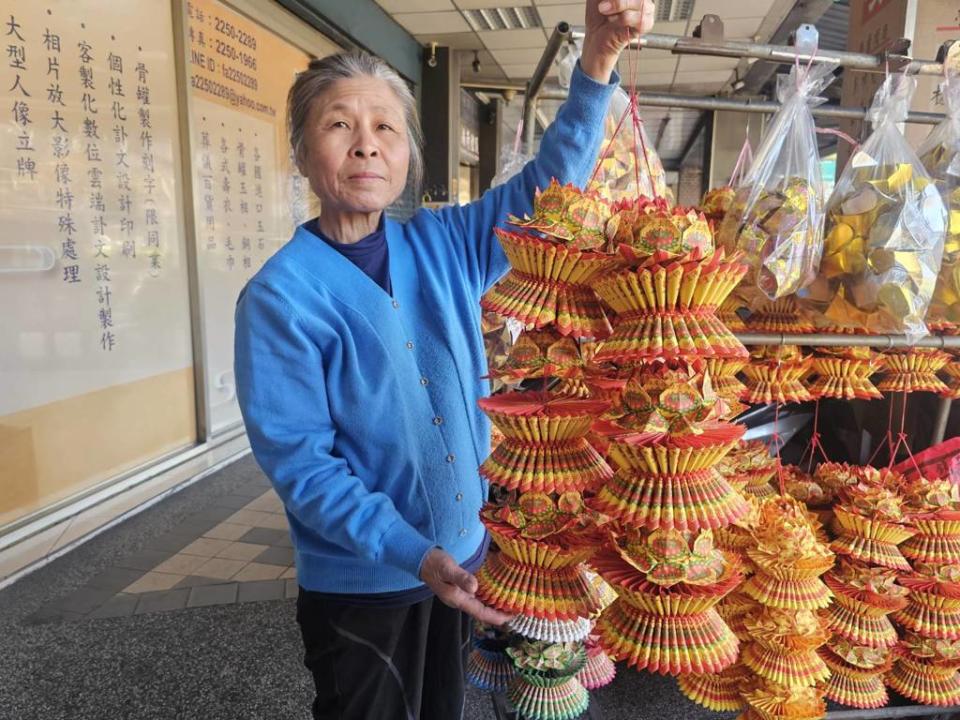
point(371, 255)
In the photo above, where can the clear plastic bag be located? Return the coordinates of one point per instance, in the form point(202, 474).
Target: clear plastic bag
point(512, 159)
point(567, 63)
point(940, 155)
point(716, 202)
point(885, 230)
point(618, 176)
point(776, 217)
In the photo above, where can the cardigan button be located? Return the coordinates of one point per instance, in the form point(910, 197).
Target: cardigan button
point(451, 457)
point(438, 420)
point(424, 381)
point(395, 304)
point(409, 344)
point(459, 497)
point(463, 532)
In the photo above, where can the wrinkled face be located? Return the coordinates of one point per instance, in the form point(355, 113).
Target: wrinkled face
point(356, 152)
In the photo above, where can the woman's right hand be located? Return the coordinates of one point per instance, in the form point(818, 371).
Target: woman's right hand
point(456, 587)
point(610, 25)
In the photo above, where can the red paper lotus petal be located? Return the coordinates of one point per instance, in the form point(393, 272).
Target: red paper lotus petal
point(541, 404)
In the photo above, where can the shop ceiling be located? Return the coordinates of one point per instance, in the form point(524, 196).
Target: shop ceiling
point(508, 38)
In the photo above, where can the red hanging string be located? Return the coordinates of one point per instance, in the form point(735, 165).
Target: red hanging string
point(816, 443)
point(606, 153)
point(840, 134)
point(902, 440)
point(888, 438)
point(636, 159)
point(781, 481)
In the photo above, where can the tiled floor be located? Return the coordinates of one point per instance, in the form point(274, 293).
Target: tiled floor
point(237, 550)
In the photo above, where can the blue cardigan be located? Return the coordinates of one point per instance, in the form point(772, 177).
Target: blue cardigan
point(362, 407)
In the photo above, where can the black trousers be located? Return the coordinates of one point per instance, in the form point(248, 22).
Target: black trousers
point(374, 663)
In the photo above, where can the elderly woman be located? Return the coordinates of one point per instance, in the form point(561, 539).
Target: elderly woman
point(358, 365)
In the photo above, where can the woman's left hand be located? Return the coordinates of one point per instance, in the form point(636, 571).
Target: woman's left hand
point(610, 25)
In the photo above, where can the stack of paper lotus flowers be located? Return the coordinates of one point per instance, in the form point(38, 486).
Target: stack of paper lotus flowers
point(721, 691)
point(543, 464)
point(489, 668)
point(662, 503)
point(871, 522)
point(553, 258)
point(664, 619)
point(599, 670)
point(913, 370)
point(728, 315)
point(951, 370)
point(786, 629)
point(538, 575)
point(775, 374)
point(844, 373)
point(859, 654)
point(665, 447)
point(929, 654)
point(667, 286)
point(782, 315)
point(750, 468)
point(545, 447)
point(723, 374)
point(546, 685)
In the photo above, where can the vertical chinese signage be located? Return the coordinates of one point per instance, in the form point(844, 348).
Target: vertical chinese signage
point(93, 285)
point(248, 196)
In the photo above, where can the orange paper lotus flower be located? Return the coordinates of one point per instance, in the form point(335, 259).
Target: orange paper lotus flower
point(568, 214)
point(648, 226)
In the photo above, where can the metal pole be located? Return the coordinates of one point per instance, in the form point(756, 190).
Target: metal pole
point(785, 54)
point(705, 102)
point(560, 34)
point(943, 416)
point(839, 340)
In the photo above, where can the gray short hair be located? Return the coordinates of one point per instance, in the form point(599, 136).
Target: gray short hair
point(321, 73)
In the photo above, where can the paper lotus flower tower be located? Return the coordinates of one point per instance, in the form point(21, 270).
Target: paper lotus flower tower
point(844, 373)
point(750, 468)
point(664, 435)
point(870, 522)
point(665, 619)
point(553, 257)
point(663, 502)
point(782, 315)
point(860, 651)
point(786, 630)
point(489, 668)
point(929, 654)
point(775, 374)
point(546, 685)
point(665, 449)
point(666, 287)
point(543, 466)
point(914, 370)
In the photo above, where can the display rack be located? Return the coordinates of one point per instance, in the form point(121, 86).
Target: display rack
point(709, 40)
